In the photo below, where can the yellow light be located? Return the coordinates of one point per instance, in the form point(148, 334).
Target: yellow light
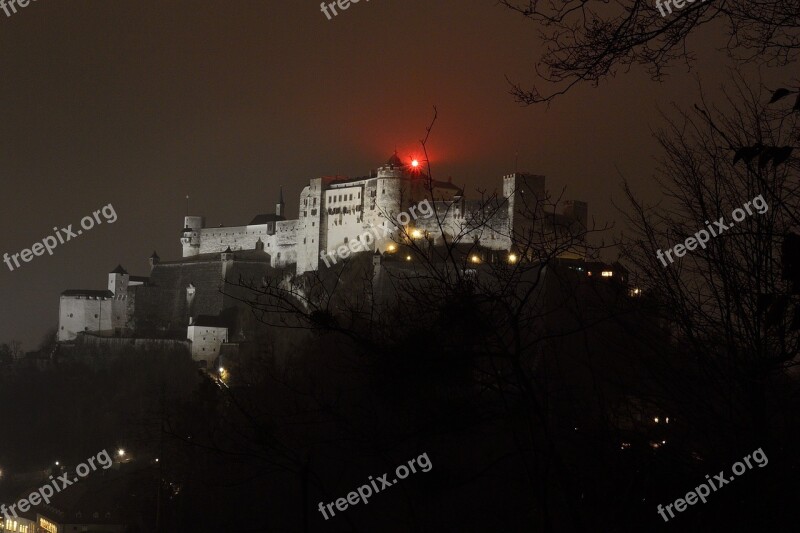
point(221, 369)
point(512, 258)
point(475, 259)
point(606, 273)
point(416, 234)
point(655, 420)
point(391, 248)
point(120, 452)
point(408, 258)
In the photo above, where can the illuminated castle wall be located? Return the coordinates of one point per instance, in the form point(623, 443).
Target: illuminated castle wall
point(332, 211)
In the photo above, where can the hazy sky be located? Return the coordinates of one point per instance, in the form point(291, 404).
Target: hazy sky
point(138, 103)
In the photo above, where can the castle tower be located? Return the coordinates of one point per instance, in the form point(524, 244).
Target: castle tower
point(524, 194)
point(310, 237)
point(154, 260)
point(118, 281)
point(226, 258)
point(393, 168)
point(118, 284)
point(280, 207)
point(190, 237)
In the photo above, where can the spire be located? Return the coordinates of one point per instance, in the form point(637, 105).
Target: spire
point(280, 207)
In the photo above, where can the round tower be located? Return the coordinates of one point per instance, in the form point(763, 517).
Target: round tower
point(190, 236)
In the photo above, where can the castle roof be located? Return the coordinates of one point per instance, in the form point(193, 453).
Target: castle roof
point(154, 256)
point(394, 161)
point(118, 270)
point(259, 220)
point(211, 321)
point(254, 256)
point(90, 293)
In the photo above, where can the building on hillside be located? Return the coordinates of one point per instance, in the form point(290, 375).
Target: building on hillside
point(207, 335)
point(97, 311)
point(333, 212)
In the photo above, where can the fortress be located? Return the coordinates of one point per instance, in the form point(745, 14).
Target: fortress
point(182, 297)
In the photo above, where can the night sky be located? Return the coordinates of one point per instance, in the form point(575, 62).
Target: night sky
point(138, 103)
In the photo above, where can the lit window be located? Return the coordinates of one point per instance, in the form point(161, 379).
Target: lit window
point(606, 273)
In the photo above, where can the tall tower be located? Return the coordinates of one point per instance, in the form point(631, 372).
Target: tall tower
point(118, 284)
point(280, 207)
point(190, 237)
point(118, 281)
point(524, 194)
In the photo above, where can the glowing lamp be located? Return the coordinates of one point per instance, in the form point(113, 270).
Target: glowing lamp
point(512, 258)
point(416, 234)
point(475, 259)
point(415, 163)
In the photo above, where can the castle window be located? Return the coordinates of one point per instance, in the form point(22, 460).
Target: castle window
point(351, 196)
point(95, 316)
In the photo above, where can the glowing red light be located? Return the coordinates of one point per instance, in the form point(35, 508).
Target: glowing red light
point(415, 163)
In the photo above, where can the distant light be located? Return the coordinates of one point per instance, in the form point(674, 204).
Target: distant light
point(221, 369)
point(655, 420)
point(667, 420)
point(57, 463)
point(415, 163)
point(475, 259)
point(416, 234)
point(156, 459)
point(391, 248)
point(512, 258)
point(606, 273)
point(408, 258)
point(120, 452)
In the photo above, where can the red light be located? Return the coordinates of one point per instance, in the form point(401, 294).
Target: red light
point(415, 163)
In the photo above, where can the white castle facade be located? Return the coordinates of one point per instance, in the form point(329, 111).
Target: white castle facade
point(333, 211)
point(182, 298)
